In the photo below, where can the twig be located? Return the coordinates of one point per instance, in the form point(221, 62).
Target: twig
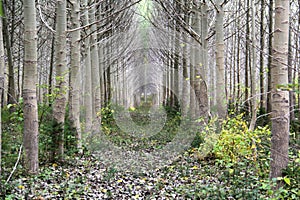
point(41, 16)
point(16, 164)
point(216, 7)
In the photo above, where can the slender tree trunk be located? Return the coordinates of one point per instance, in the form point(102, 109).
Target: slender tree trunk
point(75, 73)
point(247, 60)
point(176, 94)
point(238, 76)
point(221, 94)
point(95, 65)
point(297, 52)
point(253, 71)
point(280, 97)
point(192, 68)
point(101, 59)
point(88, 100)
point(20, 70)
point(204, 33)
point(290, 76)
point(59, 106)
point(185, 88)
point(30, 139)
point(261, 55)
point(2, 80)
point(270, 53)
point(298, 59)
point(199, 83)
point(11, 98)
point(51, 67)
point(101, 73)
point(108, 80)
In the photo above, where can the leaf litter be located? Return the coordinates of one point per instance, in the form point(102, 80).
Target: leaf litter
point(88, 178)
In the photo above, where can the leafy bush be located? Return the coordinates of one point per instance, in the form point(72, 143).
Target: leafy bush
point(236, 141)
point(291, 178)
point(12, 134)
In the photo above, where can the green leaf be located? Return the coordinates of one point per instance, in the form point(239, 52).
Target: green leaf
point(287, 180)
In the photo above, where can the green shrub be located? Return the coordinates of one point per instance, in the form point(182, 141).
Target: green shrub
point(236, 142)
point(12, 134)
point(291, 178)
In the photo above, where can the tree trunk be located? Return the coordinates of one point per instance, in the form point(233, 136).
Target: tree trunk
point(192, 68)
point(290, 76)
point(75, 73)
point(11, 95)
point(238, 75)
point(280, 97)
point(199, 72)
point(297, 52)
point(101, 58)
point(51, 68)
point(2, 78)
point(185, 88)
point(95, 65)
point(59, 106)
point(221, 95)
point(261, 56)
point(270, 45)
point(253, 71)
point(30, 140)
point(204, 33)
point(247, 61)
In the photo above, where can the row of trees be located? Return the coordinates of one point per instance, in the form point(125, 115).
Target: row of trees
point(207, 57)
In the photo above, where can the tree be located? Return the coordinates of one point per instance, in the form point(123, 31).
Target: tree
point(2, 66)
point(30, 139)
point(200, 78)
point(59, 107)
point(280, 96)
point(94, 64)
point(185, 62)
point(8, 41)
point(270, 47)
point(261, 55)
point(221, 95)
point(88, 100)
point(253, 71)
point(75, 72)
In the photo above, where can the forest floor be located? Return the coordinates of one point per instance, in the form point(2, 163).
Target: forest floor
point(186, 177)
point(87, 178)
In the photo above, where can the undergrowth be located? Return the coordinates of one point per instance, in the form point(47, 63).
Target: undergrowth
point(226, 150)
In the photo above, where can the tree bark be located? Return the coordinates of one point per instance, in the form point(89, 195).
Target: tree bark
point(88, 100)
point(2, 80)
point(59, 107)
point(75, 73)
point(204, 33)
point(247, 60)
point(221, 94)
point(51, 68)
point(270, 45)
point(95, 66)
point(192, 109)
point(261, 56)
point(30, 139)
point(290, 76)
point(185, 88)
point(280, 97)
point(11, 95)
point(253, 72)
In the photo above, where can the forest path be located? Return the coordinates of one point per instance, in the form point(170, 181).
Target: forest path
point(87, 178)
